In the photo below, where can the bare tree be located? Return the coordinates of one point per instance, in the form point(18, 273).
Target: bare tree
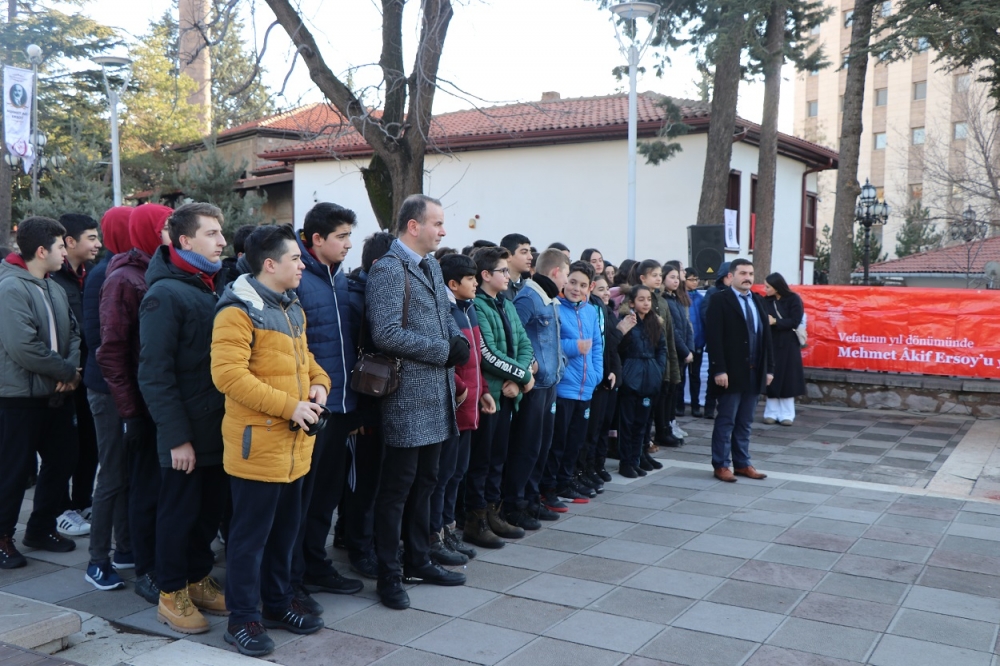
point(848, 189)
point(399, 135)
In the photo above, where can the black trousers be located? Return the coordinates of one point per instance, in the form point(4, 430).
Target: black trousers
point(143, 494)
point(633, 418)
point(594, 451)
point(487, 457)
point(528, 449)
point(357, 509)
point(453, 465)
point(187, 519)
point(568, 433)
point(82, 492)
point(664, 411)
point(262, 537)
point(408, 478)
point(28, 426)
point(322, 489)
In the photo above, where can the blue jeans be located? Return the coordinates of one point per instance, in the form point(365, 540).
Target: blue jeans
point(734, 415)
point(453, 464)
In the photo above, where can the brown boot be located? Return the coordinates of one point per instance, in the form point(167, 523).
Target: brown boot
point(723, 474)
point(208, 596)
point(477, 530)
point(177, 612)
point(500, 526)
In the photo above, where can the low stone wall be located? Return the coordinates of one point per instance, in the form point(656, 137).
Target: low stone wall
point(916, 393)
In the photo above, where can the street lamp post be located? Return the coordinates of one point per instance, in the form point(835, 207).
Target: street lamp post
point(869, 211)
point(631, 12)
point(968, 228)
point(113, 96)
point(34, 52)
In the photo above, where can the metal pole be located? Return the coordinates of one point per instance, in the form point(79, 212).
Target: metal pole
point(868, 247)
point(116, 171)
point(633, 112)
point(34, 134)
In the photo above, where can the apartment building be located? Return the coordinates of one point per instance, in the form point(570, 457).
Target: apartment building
point(915, 120)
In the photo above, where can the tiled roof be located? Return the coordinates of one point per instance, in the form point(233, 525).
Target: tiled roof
point(960, 258)
point(311, 119)
point(563, 120)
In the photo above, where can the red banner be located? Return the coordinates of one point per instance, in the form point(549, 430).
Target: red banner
point(953, 332)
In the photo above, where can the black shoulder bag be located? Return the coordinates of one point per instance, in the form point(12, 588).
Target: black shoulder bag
point(378, 374)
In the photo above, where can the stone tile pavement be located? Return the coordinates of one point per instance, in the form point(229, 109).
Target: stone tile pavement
point(676, 568)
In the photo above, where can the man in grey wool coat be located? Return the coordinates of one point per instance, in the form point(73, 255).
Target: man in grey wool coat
point(420, 415)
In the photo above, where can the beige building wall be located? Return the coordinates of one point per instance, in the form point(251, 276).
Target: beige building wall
point(890, 114)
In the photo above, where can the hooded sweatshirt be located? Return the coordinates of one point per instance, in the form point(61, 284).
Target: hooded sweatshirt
point(145, 224)
point(114, 229)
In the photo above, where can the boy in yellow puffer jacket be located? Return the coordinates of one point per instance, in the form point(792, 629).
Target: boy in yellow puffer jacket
point(274, 392)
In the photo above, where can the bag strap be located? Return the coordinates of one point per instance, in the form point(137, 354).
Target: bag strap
point(406, 308)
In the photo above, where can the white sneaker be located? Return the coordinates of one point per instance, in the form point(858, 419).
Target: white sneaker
point(72, 524)
point(678, 432)
point(87, 514)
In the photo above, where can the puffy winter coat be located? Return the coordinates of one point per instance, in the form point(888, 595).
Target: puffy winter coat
point(504, 358)
point(642, 363)
point(262, 363)
point(118, 355)
point(175, 339)
point(367, 407)
point(470, 375)
point(323, 294)
point(662, 310)
point(29, 367)
point(612, 338)
point(696, 316)
point(539, 314)
point(683, 333)
point(583, 371)
point(91, 325)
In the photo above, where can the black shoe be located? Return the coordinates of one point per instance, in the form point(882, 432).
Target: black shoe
point(596, 482)
point(542, 513)
point(696, 411)
point(250, 639)
point(52, 542)
point(294, 621)
point(441, 554)
point(670, 441)
point(709, 413)
point(582, 488)
point(651, 461)
point(456, 544)
point(627, 471)
point(10, 558)
point(391, 592)
point(639, 471)
point(146, 588)
point(644, 463)
point(432, 574)
point(303, 603)
point(604, 475)
point(520, 517)
point(333, 583)
point(680, 410)
point(364, 564)
point(569, 494)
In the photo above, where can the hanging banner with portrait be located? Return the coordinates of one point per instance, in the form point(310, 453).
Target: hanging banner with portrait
point(18, 90)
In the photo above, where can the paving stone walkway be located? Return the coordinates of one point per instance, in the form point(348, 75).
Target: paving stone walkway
point(675, 568)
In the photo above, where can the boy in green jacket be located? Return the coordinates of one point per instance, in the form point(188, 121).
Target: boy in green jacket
point(508, 364)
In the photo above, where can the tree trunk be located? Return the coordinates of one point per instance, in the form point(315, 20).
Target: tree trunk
point(722, 120)
point(6, 213)
point(767, 160)
point(842, 238)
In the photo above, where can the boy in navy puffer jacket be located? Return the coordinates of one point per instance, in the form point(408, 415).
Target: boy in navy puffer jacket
point(583, 345)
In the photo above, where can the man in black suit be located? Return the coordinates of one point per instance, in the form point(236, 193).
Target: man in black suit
point(741, 363)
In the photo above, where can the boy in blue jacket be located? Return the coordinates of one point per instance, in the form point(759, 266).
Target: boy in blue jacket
point(582, 343)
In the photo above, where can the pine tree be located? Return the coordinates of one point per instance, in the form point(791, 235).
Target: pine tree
point(78, 187)
point(918, 233)
point(211, 178)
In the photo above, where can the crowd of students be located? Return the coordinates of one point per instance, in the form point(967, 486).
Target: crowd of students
point(215, 397)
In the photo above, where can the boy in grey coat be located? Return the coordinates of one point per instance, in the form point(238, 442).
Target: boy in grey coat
point(39, 370)
point(420, 415)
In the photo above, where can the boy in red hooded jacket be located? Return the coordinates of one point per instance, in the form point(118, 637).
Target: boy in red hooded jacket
point(472, 395)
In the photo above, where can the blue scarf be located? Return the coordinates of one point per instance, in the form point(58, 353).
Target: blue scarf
point(200, 262)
